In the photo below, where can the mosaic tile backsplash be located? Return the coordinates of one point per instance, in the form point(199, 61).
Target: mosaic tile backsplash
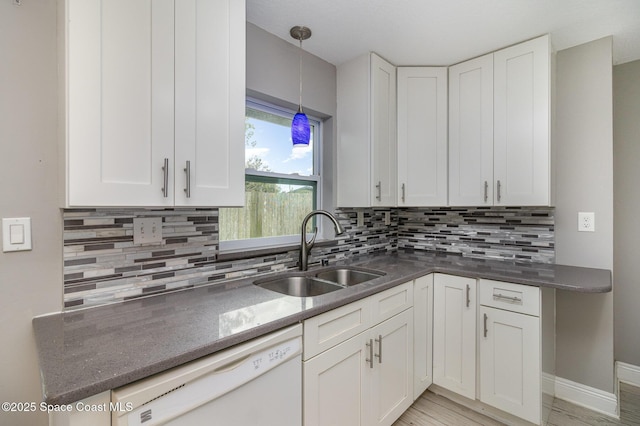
point(514, 233)
point(102, 265)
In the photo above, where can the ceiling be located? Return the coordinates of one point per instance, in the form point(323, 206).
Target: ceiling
point(445, 32)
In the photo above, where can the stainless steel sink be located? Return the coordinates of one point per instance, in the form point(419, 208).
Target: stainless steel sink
point(347, 277)
point(300, 286)
point(317, 283)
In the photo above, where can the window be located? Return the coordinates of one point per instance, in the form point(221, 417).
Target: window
point(282, 183)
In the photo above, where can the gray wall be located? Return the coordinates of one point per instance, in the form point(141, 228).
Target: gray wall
point(626, 197)
point(273, 75)
point(584, 183)
point(30, 282)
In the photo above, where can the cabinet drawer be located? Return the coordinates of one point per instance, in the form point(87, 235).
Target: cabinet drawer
point(390, 302)
point(519, 298)
point(331, 328)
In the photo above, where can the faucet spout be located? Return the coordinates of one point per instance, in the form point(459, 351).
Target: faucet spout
point(305, 246)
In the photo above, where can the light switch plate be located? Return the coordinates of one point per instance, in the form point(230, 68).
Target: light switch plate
point(147, 230)
point(360, 219)
point(16, 234)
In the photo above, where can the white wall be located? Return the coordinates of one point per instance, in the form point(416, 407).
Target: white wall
point(584, 183)
point(626, 196)
point(30, 282)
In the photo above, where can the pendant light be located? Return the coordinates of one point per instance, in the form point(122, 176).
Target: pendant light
point(300, 130)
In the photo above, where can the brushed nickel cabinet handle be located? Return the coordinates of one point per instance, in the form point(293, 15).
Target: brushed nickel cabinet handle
point(498, 187)
point(403, 193)
point(379, 354)
point(507, 298)
point(468, 297)
point(379, 187)
point(187, 170)
point(486, 191)
point(485, 324)
point(165, 180)
point(370, 359)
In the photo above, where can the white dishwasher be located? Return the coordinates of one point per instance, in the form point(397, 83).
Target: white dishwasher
point(254, 383)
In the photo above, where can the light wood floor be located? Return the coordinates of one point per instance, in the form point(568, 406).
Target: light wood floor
point(434, 410)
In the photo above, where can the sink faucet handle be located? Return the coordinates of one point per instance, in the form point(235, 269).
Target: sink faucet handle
point(311, 242)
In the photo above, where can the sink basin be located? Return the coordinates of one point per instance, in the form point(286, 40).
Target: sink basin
point(346, 276)
point(300, 286)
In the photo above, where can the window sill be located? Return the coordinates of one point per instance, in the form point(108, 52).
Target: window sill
point(231, 255)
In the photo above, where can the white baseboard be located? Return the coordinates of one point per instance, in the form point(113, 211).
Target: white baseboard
point(628, 373)
point(548, 384)
point(586, 396)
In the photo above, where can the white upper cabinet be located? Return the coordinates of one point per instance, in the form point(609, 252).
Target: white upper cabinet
point(422, 136)
point(522, 124)
point(499, 140)
point(210, 102)
point(383, 132)
point(133, 117)
point(471, 132)
point(366, 153)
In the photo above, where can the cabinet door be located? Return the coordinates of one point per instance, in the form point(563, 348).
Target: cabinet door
point(471, 132)
point(510, 364)
point(521, 124)
point(423, 334)
point(354, 133)
point(422, 136)
point(210, 97)
point(383, 132)
point(392, 378)
point(454, 334)
point(335, 385)
point(120, 105)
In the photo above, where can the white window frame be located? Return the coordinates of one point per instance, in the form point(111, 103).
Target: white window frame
point(284, 240)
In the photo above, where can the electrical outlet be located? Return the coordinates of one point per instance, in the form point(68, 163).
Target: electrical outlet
point(360, 219)
point(147, 230)
point(387, 218)
point(586, 222)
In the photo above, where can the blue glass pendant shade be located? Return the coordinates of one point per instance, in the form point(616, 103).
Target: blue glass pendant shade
point(300, 131)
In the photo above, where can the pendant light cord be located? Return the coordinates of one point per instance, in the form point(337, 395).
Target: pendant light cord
point(300, 76)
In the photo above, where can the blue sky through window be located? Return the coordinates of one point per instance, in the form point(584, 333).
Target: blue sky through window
point(274, 147)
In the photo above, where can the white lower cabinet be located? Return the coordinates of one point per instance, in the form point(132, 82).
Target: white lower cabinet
point(366, 379)
point(510, 363)
point(454, 334)
point(510, 349)
point(494, 356)
point(422, 334)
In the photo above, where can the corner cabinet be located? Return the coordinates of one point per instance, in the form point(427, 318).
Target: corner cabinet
point(422, 136)
point(154, 97)
point(499, 127)
point(358, 361)
point(366, 148)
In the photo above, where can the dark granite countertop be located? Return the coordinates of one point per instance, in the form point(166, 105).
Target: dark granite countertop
point(86, 352)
